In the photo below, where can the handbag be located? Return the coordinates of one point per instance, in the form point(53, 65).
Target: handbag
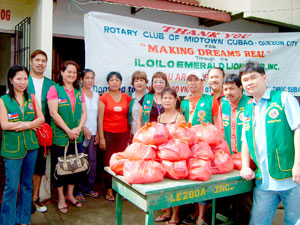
point(72, 163)
point(43, 132)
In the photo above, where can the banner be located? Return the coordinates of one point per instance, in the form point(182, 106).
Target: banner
point(124, 44)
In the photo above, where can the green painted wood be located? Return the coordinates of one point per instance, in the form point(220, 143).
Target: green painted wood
point(213, 216)
point(149, 218)
point(119, 205)
point(169, 185)
point(170, 193)
point(130, 194)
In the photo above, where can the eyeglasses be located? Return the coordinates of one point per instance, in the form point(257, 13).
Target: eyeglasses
point(159, 82)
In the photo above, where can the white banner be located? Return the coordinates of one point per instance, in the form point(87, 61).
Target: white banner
point(123, 44)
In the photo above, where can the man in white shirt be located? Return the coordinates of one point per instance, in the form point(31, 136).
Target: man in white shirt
point(39, 86)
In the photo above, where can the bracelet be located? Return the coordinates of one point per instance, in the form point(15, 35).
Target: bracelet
point(27, 125)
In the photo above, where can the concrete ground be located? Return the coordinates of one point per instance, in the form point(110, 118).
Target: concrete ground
point(101, 212)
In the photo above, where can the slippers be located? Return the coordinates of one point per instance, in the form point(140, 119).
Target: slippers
point(80, 197)
point(77, 204)
point(172, 222)
point(200, 223)
point(109, 197)
point(92, 194)
point(162, 218)
point(63, 210)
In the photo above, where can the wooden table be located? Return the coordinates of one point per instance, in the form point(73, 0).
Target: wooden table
point(169, 193)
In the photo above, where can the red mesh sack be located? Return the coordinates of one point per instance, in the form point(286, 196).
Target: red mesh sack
point(199, 169)
point(152, 134)
point(202, 150)
point(139, 150)
point(182, 132)
point(116, 163)
point(237, 161)
point(175, 170)
point(222, 146)
point(174, 150)
point(207, 132)
point(143, 171)
point(222, 163)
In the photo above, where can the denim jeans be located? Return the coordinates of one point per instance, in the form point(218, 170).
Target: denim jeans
point(265, 205)
point(18, 170)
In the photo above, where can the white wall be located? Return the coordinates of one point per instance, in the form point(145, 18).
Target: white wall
point(70, 22)
point(41, 29)
point(278, 11)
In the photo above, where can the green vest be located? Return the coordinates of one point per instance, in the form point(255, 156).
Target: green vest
point(130, 110)
point(280, 138)
point(146, 107)
point(71, 118)
point(46, 86)
point(226, 114)
point(202, 112)
point(16, 144)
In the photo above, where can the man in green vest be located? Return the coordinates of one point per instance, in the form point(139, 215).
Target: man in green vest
point(230, 120)
point(232, 111)
point(39, 85)
point(198, 108)
point(271, 135)
point(215, 80)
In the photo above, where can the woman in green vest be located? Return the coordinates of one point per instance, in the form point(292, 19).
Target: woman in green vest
point(151, 105)
point(19, 146)
point(139, 81)
point(68, 111)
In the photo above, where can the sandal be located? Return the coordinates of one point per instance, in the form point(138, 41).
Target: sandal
point(63, 210)
point(93, 194)
point(80, 197)
point(109, 197)
point(172, 222)
point(77, 204)
point(162, 218)
point(201, 223)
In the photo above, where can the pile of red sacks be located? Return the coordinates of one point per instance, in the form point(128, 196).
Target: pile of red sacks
point(175, 151)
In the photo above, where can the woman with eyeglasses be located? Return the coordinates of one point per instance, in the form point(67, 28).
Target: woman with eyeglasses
point(151, 105)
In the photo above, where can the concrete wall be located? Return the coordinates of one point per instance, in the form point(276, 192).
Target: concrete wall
point(41, 29)
point(41, 13)
point(69, 22)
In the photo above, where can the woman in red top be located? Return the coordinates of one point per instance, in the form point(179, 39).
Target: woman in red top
point(113, 123)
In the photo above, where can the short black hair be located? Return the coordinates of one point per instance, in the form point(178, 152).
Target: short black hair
point(110, 74)
point(232, 78)
point(252, 66)
point(217, 68)
point(86, 71)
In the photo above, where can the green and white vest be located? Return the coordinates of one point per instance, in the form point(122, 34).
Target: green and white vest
point(280, 138)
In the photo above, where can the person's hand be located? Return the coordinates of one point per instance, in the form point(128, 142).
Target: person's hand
point(296, 173)
point(21, 126)
point(102, 143)
point(72, 134)
point(247, 173)
point(87, 133)
point(96, 139)
point(77, 130)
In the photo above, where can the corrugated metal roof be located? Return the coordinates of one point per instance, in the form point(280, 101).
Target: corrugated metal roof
point(195, 3)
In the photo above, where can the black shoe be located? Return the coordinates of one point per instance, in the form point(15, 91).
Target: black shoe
point(32, 209)
point(189, 220)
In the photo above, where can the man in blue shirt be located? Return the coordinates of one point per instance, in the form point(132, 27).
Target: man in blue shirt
point(271, 135)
